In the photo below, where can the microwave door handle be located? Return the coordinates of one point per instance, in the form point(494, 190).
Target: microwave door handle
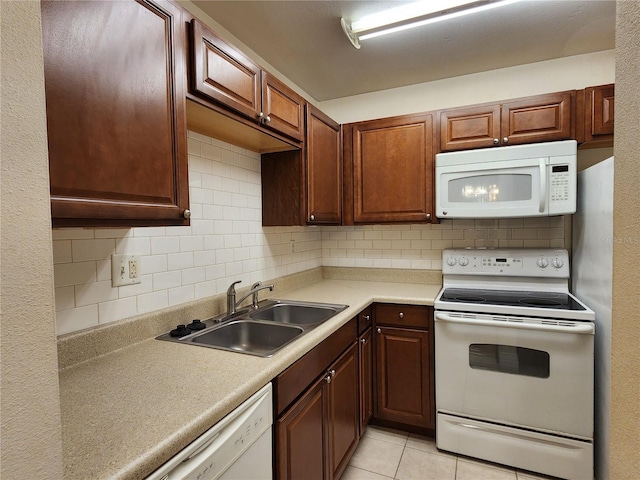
point(543, 185)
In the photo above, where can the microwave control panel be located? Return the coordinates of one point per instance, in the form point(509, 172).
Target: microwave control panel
point(560, 183)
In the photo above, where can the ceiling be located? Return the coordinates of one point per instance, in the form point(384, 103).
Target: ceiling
point(305, 42)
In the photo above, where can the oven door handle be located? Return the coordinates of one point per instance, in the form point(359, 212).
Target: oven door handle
point(586, 328)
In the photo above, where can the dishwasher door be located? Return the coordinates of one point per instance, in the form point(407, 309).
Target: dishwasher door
point(238, 447)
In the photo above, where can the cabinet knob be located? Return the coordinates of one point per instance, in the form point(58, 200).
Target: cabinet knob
point(312, 217)
point(260, 115)
point(401, 315)
point(363, 341)
point(505, 140)
point(379, 330)
point(496, 141)
point(186, 213)
point(332, 373)
point(428, 216)
point(366, 317)
point(327, 379)
point(267, 119)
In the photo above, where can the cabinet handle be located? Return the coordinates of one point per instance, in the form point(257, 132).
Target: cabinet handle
point(186, 213)
point(401, 315)
point(366, 317)
point(505, 140)
point(312, 217)
point(496, 141)
point(379, 330)
point(363, 341)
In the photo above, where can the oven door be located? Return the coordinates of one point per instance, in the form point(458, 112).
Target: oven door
point(535, 373)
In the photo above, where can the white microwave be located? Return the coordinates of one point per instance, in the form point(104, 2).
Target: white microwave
point(507, 182)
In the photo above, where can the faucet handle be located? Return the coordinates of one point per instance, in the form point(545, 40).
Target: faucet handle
point(232, 290)
point(257, 284)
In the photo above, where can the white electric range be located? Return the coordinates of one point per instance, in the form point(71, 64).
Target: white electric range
point(514, 361)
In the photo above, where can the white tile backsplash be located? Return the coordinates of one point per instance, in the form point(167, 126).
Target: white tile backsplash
point(226, 242)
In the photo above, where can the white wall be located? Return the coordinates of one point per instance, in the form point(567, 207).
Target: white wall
point(536, 78)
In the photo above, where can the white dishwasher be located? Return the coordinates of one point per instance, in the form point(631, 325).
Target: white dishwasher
point(238, 447)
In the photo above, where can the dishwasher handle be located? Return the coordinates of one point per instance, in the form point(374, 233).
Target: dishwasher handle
point(583, 328)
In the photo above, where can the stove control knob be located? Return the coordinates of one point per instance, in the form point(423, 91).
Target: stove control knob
point(451, 261)
point(542, 262)
point(557, 263)
point(463, 261)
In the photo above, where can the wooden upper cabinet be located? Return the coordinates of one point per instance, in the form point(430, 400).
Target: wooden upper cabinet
point(324, 169)
point(222, 74)
point(540, 118)
point(469, 127)
point(543, 118)
point(391, 169)
point(599, 112)
point(283, 109)
point(115, 95)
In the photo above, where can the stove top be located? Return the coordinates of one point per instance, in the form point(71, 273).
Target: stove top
point(523, 282)
point(549, 300)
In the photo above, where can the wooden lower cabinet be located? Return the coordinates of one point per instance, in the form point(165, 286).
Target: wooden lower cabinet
point(404, 380)
point(402, 360)
point(318, 433)
point(300, 437)
point(365, 363)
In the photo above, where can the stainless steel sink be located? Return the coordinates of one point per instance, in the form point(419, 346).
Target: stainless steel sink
point(262, 331)
point(297, 313)
point(249, 337)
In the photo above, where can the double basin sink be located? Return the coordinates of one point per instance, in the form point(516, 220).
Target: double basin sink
point(262, 331)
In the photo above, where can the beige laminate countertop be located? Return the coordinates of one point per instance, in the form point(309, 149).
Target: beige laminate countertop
point(127, 412)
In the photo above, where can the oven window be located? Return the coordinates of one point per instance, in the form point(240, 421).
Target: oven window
point(491, 188)
point(509, 359)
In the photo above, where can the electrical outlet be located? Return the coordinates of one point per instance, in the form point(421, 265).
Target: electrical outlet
point(125, 270)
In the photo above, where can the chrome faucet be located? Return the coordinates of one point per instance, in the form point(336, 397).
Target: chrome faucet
point(231, 295)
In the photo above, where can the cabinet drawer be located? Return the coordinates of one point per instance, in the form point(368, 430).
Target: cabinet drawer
point(365, 318)
point(402, 315)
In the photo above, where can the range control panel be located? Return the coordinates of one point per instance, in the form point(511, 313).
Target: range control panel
point(512, 262)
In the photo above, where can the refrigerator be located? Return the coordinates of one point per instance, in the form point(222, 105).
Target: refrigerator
point(592, 283)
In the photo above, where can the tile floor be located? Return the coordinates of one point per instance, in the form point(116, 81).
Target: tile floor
point(385, 454)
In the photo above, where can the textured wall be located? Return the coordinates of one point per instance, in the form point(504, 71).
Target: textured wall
point(625, 342)
point(30, 416)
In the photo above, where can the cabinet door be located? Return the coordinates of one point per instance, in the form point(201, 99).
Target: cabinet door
point(116, 124)
point(402, 377)
point(599, 112)
point(542, 118)
point(324, 167)
point(469, 127)
point(343, 410)
point(301, 434)
point(365, 358)
point(393, 170)
point(223, 74)
point(283, 109)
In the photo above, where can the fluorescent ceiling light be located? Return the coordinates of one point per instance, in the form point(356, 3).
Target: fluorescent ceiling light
point(413, 15)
